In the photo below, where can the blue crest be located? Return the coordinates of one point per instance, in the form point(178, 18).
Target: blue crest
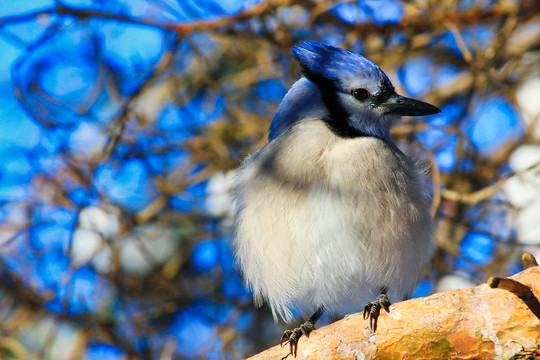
point(325, 62)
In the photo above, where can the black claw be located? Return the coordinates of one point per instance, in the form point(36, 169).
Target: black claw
point(367, 309)
point(292, 336)
point(285, 337)
point(373, 310)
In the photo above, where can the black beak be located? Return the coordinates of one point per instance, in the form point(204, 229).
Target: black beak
point(400, 105)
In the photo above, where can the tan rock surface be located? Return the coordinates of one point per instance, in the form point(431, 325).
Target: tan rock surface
point(474, 323)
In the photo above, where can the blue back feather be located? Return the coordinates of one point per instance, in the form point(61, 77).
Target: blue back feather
point(303, 100)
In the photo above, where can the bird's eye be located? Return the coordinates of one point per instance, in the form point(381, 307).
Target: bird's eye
point(360, 94)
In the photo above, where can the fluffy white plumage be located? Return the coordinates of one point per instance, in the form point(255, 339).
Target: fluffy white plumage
point(324, 221)
point(330, 213)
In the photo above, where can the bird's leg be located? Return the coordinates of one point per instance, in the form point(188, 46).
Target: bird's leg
point(292, 336)
point(373, 309)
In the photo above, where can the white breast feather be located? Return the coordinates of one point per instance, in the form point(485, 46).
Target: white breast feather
point(327, 221)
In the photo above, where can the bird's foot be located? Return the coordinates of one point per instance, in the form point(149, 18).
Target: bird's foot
point(292, 337)
point(373, 309)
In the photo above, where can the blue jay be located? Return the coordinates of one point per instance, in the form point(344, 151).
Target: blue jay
point(330, 216)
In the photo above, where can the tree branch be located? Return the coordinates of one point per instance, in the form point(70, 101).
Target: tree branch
point(474, 323)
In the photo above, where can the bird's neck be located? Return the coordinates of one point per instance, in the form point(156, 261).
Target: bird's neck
point(366, 125)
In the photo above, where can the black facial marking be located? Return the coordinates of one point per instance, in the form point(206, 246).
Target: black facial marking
point(387, 90)
point(337, 118)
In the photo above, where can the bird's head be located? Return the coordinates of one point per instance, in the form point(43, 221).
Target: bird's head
point(359, 98)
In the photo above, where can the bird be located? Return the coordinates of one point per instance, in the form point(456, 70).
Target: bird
point(330, 216)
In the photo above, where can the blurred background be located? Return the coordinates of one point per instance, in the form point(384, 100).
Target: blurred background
point(121, 121)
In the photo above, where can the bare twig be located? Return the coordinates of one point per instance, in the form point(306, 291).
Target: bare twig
point(528, 260)
point(515, 287)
